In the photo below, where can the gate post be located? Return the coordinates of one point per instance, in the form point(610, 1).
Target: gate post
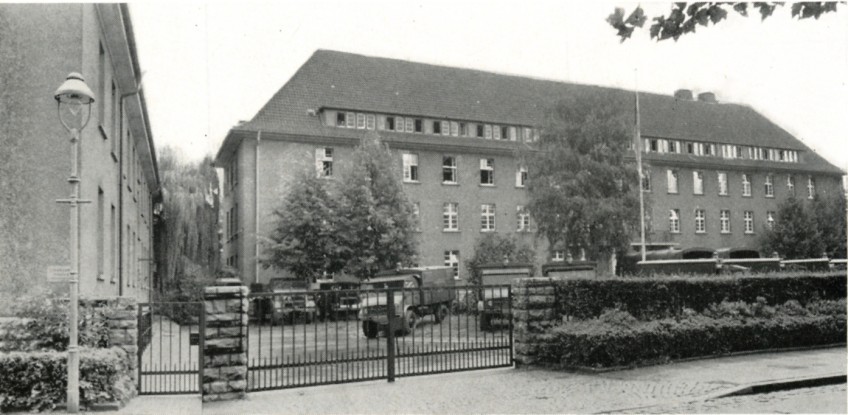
point(224, 371)
point(390, 335)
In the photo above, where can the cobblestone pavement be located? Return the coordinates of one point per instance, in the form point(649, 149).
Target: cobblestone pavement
point(824, 399)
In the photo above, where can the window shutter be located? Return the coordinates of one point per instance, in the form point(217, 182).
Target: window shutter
point(497, 133)
point(350, 118)
point(445, 126)
point(488, 131)
point(319, 160)
point(454, 128)
point(409, 124)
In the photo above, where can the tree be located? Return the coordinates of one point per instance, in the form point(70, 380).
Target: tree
point(686, 17)
point(795, 234)
point(583, 190)
point(186, 226)
point(304, 240)
point(493, 248)
point(828, 211)
point(376, 225)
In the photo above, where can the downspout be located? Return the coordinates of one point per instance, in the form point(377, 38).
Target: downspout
point(256, 209)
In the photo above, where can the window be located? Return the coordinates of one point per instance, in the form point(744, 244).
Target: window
point(725, 221)
point(521, 176)
point(527, 134)
point(419, 125)
point(437, 127)
point(350, 120)
point(390, 123)
point(673, 147)
point(749, 221)
point(120, 130)
point(399, 123)
point(101, 84)
point(370, 121)
point(558, 255)
point(488, 130)
point(746, 185)
point(449, 170)
point(463, 129)
point(324, 161)
point(700, 221)
point(113, 220)
point(513, 135)
point(672, 180)
point(698, 182)
point(496, 132)
point(101, 234)
point(769, 185)
point(722, 183)
point(450, 216)
point(454, 128)
point(409, 124)
point(487, 218)
point(410, 167)
point(487, 172)
point(646, 181)
point(416, 216)
point(770, 219)
point(114, 116)
point(790, 184)
point(452, 260)
point(480, 130)
point(811, 187)
point(360, 121)
point(445, 128)
point(523, 217)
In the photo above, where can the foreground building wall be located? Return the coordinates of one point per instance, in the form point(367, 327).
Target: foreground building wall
point(40, 45)
point(459, 138)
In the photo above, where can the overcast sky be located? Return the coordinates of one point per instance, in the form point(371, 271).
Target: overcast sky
point(209, 65)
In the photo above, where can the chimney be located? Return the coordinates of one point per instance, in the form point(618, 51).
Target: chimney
point(683, 94)
point(707, 97)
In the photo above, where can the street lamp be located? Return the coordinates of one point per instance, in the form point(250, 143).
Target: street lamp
point(74, 100)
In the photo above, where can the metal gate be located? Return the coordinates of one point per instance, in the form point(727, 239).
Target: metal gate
point(304, 338)
point(170, 352)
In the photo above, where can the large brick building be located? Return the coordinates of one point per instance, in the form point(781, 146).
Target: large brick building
point(39, 45)
point(458, 135)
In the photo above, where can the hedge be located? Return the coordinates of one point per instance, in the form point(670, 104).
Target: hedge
point(599, 344)
point(660, 297)
point(37, 380)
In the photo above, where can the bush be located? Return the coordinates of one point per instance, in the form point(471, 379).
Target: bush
point(47, 320)
point(664, 297)
point(37, 380)
point(600, 344)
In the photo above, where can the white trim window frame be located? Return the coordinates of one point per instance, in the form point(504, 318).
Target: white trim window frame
point(811, 187)
point(487, 172)
point(324, 161)
point(697, 182)
point(451, 258)
point(722, 183)
point(521, 176)
point(450, 217)
point(749, 222)
point(700, 221)
point(523, 217)
point(672, 181)
point(725, 221)
point(410, 167)
point(769, 185)
point(770, 220)
point(746, 185)
point(449, 170)
point(487, 217)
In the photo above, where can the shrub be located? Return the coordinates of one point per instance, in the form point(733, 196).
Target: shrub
point(599, 344)
point(663, 297)
point(37, 380)
point(47, 320)
point(616, 317)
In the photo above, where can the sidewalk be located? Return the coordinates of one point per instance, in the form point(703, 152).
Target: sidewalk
point(525, 390)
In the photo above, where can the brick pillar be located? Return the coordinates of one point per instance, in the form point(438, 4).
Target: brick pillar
point(534, 313)
point(225, 342)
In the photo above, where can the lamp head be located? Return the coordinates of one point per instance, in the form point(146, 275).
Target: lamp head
point(74, 91)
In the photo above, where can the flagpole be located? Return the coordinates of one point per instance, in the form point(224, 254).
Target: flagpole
point(639, 167)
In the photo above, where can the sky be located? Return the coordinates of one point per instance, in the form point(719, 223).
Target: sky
point(208, 65)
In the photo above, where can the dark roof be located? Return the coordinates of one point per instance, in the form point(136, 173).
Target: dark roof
point(331, 79)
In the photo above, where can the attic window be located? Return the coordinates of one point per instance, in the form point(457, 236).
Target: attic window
point(390, 123)
point(419, 125)
point(480, 130)
point(340, 119)
point(437, 127)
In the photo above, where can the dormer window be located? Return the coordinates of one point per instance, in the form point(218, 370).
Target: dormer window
point(390, 123)
point(437, 127)
point(340, 119)
point(419, 125)
point(481, 130)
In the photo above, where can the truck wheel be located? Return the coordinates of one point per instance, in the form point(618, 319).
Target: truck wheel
point(442, 313)
point(410, 321)
point(485, 322)
point(370, 329)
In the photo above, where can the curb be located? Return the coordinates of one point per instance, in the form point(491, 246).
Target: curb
point(749, 389)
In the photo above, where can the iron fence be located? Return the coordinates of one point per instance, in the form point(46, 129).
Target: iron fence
point(303, 338)
point(169, 352)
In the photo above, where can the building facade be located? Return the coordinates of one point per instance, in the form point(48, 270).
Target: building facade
point(39, 45)
point(459, 137)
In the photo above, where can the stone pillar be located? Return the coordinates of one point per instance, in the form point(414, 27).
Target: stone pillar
point(122, 320)
point(225, 342)
point(534, 313)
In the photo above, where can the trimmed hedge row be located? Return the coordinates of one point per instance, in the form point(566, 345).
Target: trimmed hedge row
point(662, 297)
point(600, 344)
point(37, 380)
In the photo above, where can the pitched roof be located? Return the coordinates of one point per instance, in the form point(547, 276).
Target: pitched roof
point(331, 79)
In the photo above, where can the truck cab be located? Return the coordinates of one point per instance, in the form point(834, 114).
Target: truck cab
point(291, 301)
point(494, 302)
point(418, 292)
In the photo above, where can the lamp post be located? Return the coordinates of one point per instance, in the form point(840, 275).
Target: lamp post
point(74, 100)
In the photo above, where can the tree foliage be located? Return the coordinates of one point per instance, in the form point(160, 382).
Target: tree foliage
point(304, 240)
point(685, 17)
point(808, 230)
point(186, 227)
point(494, 248)
point(583, 190)
point(377, 224)
point(360, 224)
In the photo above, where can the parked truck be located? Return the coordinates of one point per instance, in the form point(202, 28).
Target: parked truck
point(419, 292)
point(493, 305)
point(291, 301)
